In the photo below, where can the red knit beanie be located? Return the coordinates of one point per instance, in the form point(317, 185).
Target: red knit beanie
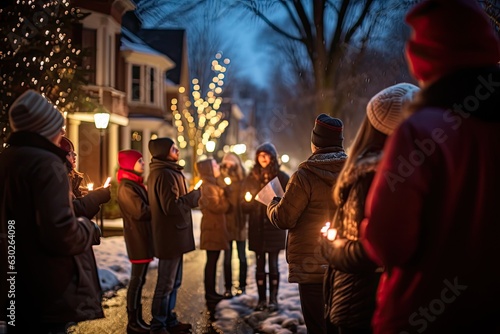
point(448, 36)
point(128, 158)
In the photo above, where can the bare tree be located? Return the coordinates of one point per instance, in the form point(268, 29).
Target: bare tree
point(334, 35)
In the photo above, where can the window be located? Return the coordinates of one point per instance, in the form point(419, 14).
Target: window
point(136, 83)
point(152, 85)
point(89, 37)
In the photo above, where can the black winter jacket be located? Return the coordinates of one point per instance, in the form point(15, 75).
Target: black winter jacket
point(352, 278)
point(53, 266)
point(262, 235)
point(136, 214)
point(171, 205)
point(304, 209)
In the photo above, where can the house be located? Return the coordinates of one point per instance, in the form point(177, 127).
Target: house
point(100, 34)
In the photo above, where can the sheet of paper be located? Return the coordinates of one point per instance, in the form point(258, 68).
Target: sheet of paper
point(270, 190)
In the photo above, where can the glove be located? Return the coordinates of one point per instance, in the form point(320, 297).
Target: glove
point(102, 195)
point(193, 197)
point(93, 228)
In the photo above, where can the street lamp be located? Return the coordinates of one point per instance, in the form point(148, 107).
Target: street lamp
point(101, 121)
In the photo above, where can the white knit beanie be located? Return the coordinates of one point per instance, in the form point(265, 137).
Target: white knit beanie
point(384, 111)
point(34, 113)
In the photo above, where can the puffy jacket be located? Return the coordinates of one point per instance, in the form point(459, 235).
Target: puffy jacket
point(352, 278)
point(56, 278)
point(304, 209)
point(171, 205)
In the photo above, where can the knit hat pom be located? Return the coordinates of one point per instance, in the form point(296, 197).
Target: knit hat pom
point(448, 36)
point(384, 111)
point(327, 131)
point(32, 112)
point(128, 158)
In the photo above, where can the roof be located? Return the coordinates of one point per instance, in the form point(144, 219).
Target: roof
point(168, 41)
point(171, 43)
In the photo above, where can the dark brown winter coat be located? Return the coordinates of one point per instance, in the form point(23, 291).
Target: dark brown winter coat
point(171, 205)
point(235, 218)
point(55, 271)
point(304, 209)
point(213, 204)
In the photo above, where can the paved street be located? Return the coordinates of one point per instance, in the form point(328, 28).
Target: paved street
point(190, 304)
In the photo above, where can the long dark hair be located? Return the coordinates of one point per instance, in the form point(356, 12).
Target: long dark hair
point(368, 139)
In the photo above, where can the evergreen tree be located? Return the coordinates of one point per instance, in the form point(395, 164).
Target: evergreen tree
point(38, 52)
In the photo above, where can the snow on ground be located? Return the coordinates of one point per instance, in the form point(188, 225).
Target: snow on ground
point(114, 272)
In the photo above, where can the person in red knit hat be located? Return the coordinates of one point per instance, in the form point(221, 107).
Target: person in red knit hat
point(432, 211)
point(136, 214)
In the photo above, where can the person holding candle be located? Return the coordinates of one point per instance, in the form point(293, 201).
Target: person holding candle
point(304, 209)
point(86, 202)
point(233, 172)
point(214, 236)
point(432, 215)
point(263, 237)
point(352, 277)
point(133, 201)
point(171, 221)
point(52, 282)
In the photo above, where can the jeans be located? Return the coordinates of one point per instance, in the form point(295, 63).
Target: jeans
point(165, 296)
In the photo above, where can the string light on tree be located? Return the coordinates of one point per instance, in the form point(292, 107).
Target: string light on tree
point(37, 52)
point(199, 121)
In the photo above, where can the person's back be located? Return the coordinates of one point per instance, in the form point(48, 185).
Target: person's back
point(52, 273)
point(432, 215)
point(304, 210)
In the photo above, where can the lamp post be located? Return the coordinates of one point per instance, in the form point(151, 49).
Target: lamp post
point(101, 121)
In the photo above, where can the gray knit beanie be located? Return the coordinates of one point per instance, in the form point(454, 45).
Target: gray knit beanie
point(34, 113)
point(384, 111)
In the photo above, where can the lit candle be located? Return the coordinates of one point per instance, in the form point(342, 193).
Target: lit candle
point(198, 184)
point(332, 234)
point(248, 196)
point(108, 180)
point(227, 180)
point(325, 228)
point(90, 186)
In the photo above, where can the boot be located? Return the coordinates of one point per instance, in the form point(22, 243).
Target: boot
point(134, 326)
point(139, 317)
point(260, 278)
point(274, 282)
point(243, 279)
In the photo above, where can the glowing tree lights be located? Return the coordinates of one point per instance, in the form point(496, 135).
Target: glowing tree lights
point(199, 121)
point(37, 51)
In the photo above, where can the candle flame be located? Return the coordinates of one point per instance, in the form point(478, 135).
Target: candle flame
point(248, 196)
point(332, 234)
point(227, 180)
